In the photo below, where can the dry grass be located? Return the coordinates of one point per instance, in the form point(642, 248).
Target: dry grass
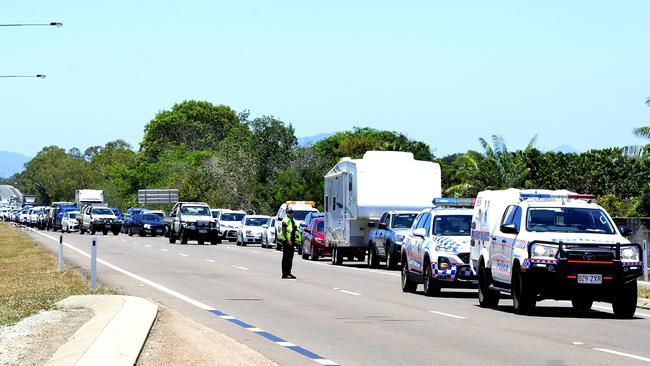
point(644, 292)
point(29, 282)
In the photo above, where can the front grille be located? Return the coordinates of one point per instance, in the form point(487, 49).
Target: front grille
point(589, 252)
point(464, 257)
point(202, 223)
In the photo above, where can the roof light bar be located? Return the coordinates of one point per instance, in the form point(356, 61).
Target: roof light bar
point(557, 196)
point(458, 202)
point(310, 203)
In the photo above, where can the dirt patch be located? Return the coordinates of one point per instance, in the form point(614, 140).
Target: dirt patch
point(177, 340)
point(33, 340)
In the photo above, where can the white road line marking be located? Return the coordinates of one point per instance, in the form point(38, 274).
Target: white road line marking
point(348, 292)
point(165, 250)
point(447, 315)
point(227, 317)
point(324, 361)
point(285, 344)
point(147, 245)
point(239, 267)
point(210, 260)
point(640, 358)
point(183, 255)
point(577, 343)
point(256, 330)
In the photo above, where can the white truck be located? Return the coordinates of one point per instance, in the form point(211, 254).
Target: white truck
point(359, 191)
point(85, 197)
point(542, 244)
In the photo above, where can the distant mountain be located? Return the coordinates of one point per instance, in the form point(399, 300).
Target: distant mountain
point(566, 149)
point(310, 140)
point(12, 163)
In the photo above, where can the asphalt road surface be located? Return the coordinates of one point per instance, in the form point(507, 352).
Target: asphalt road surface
point(351, 315)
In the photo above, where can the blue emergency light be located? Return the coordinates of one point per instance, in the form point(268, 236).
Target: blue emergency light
point(458, 202)
point(557, 196)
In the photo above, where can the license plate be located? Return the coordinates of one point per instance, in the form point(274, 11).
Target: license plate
point(203, 231)
point(159, 231)
point(590, 279)
point(107, 225)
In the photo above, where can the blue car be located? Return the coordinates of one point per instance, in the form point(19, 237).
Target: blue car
point(146, 224)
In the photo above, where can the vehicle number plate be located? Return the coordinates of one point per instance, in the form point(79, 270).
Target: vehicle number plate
point(159, 231)
point(592, 279)
point(203, 231)
point(107, 225)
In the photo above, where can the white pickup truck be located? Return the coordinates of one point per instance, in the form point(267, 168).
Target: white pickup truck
point(98, 219)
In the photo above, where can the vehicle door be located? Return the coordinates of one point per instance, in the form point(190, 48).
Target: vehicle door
point(380, 232)
point(136, 223)
point(502, 243)
point(415, 243)
point(177, 219)
point(423, 242)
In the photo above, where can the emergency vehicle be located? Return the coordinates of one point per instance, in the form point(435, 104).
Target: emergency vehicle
point(542, 244)
point(436, 250)
point(300, 211)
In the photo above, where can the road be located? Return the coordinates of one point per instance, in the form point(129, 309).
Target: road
point(351, 315)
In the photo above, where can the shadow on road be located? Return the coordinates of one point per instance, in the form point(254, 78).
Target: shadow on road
point(561, 312)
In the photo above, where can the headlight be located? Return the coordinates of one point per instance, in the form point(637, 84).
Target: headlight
point(249, 231)
point(544, 250)
point(630, 254)
point(443, 263)
point(147, 226)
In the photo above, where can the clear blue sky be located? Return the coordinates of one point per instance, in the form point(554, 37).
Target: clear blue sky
point(573, 72)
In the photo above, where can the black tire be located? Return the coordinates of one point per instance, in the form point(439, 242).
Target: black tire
point(104, 232)
point(218, 240)
point(391, 260)
point(582, 303)
point(305, 256)
point(523, 292)
point(81, 230)
point(373, 260)
point(313, 256)
point(431, 286)
point(142, 233)
point(184, 237)
point(486, 298)
point(129, 231)
point(116, 232)
point(333, 252)
point(408, 285)
point(172, 238)
point(92, 231)
point(625, 299)
point(201, 242)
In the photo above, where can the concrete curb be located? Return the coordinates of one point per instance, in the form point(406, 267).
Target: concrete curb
point(115, 334)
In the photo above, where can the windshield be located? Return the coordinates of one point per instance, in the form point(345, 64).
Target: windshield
point(151, 217)
point(568, 220)
point(232, 216)
point(452, 225)
point(320, 226)
point(256, 221)
point(403, 221)
point(300, 215)
point(195, 211)
point(102, 211)
point(72, 215)
point(215, 214)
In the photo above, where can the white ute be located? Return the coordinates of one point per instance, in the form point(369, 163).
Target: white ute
point(542, 244)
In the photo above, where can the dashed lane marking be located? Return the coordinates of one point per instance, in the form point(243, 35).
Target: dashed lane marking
point(183, 255)
point(240, 267)
point(623, 354)
point(349, 292)
point(147, 245)
point(165, 250)
point(447, 315)
point(210, 260)
point(277, 340)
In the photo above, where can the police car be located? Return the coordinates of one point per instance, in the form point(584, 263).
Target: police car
point(541, 244)
point(436, 250)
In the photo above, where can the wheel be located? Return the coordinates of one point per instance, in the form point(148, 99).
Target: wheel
point(339, 257)
point(333, 251)
point(431, 286)
point(523, 292)
point(487, 298)
point(116, 232)
point(201, 242)
point(625, 299)
point(408, 285)
point(313, 257)
point(391, 260)
point(172, 238)
point(129, 231)
point(305, 256)
point(142, 233)
point(104, 232)
point(582, 303)
point(214, 242)
point(184, 237)
point(218, 240)
point(93, 231)
point(81, 230)
point(373, 260)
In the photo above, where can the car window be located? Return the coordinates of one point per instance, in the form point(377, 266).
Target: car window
point(508, 215)
point(416, 222)
point(256, 221)
point(195, 210)
point(427, 224)
point(151, 217)
point(452, 225)
point(232, 216)
point(423, 220)
point(383, 220)
point(320, 226)
point(102, 211)
point(402, 221)
point(568, 220)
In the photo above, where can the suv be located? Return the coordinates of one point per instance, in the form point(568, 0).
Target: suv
point(385, 241)
point(98, 218)
point(541, 244)
point(192, 221)
point(436, 250)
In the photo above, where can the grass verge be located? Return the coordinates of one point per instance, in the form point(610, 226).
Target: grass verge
point(29, 281)
point(644, 292)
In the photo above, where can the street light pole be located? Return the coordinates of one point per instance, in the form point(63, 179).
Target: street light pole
point(51, 24)
point(40, 76)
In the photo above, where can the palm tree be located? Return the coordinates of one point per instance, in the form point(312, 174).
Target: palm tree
point(639, 151)
point(495, 168)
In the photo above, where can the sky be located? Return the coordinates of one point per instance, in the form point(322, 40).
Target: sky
point(445, 72)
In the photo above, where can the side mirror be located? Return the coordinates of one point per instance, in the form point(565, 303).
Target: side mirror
point(303, 224)
point(420, 232)
point(372, 224)
point(625, 230)
point(265, 226)
point(383, 226)
point(509, 229)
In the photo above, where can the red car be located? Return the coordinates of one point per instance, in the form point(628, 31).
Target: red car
point(313, 241)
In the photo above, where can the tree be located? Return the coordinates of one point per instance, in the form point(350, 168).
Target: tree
point(640, 151)
point(495, 168)
point(190, 125)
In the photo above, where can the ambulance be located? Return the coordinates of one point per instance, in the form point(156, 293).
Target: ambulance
point(543, 244)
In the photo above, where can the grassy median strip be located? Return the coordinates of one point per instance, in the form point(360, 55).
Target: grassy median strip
point(644, 292)
point(29, 282)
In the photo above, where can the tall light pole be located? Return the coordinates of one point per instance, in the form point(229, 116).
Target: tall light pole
point(51, 24)
point(40, 76)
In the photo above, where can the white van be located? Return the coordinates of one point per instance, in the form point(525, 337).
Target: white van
point(542, 244)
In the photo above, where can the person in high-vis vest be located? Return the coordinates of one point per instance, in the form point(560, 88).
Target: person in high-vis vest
point(288, 238)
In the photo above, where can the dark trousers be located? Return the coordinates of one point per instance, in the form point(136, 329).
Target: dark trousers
point(287, 258)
